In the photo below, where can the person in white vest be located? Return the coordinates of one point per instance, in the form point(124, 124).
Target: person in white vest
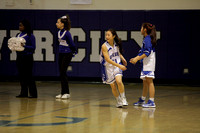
point(67, 50)
point(147, 57)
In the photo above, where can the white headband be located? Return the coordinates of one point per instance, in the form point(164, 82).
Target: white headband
point(64, 17)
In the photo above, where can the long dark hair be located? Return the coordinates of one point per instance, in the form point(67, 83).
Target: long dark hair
point(67, 23)
point(151, 30)
point(27, 27)
point(117, 40)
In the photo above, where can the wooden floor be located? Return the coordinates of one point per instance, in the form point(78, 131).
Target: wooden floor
point(91, 109)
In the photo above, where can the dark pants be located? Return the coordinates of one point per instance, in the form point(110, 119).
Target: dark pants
point(25, 66)
point(64, 61)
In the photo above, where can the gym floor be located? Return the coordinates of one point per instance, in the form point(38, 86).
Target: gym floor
point(91, 109)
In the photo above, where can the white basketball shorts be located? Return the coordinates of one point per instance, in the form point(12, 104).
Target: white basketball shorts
point(109, 73)
point(148, 74)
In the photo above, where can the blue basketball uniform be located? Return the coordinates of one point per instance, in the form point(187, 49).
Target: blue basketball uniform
point(148, 63)
point(109, 71)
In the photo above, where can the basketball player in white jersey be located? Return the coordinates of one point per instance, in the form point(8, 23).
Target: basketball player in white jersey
point(111, 66)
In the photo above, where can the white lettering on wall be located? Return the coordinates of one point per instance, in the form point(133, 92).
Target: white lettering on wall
point(95, 40)
point(44, 41)
point(13, 54)
point(2, 35)
point(136, 35)
point(81, 37)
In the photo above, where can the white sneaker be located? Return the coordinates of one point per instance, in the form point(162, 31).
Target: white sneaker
point(124, 102)
point(119, 105)
point(65, 96)
point(59, 96)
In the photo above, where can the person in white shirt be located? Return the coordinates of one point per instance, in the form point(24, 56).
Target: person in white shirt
point(111, 66)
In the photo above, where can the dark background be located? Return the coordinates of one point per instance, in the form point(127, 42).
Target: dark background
point(177, 48)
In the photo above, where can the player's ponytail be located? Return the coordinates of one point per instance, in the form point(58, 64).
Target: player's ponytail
point(117, 40)
point(151, 30)
point(67, 23)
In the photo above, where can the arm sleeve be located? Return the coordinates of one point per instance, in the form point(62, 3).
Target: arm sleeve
point(69, 39)
point(32, 42)
point(140, 53)
point(147, 47)
point(71, 42)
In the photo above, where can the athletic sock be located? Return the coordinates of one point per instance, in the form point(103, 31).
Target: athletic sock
point(118, 98)
point(122, 95)
point(143, 98)
point(152, 99)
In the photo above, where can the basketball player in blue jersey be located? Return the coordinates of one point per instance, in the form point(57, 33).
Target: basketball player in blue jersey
point(25, 61)
point(147, 57)
point(111, 66)
point(66, 51)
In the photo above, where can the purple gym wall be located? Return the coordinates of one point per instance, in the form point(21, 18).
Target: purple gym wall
point(176, 52)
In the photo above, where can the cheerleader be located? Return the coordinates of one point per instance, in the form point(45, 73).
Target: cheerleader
point(66, 51)
point(25, 60)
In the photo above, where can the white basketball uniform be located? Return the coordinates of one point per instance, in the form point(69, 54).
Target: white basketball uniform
point(109, 71)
